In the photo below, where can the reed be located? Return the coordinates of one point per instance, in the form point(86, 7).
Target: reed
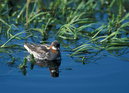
point(67, 20)
point(111, 37)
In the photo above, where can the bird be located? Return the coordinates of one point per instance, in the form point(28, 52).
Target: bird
point(44, 51)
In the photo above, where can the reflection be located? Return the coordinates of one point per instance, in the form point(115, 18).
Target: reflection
point(92, 55)
point(89, 56)
point(52, 65)
point(23, 69)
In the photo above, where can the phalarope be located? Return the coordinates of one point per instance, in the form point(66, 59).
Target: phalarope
point(44, 51)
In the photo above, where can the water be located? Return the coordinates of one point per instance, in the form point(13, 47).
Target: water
point(108, 75)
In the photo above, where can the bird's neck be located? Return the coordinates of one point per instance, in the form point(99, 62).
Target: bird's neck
point(54, 51)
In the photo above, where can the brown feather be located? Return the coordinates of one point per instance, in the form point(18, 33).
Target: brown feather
point(54, 51)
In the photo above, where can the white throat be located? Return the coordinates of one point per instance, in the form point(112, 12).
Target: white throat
point(54, 48)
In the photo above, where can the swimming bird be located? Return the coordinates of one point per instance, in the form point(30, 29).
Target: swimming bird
point(44, 51)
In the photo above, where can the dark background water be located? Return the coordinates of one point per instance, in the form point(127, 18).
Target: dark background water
point(104, 74)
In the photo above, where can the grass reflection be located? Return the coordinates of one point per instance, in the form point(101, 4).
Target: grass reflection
point(80, 26)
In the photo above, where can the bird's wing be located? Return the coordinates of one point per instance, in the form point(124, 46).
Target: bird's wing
point(37, 48)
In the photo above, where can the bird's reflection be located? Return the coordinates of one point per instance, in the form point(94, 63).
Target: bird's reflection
point(52, 65)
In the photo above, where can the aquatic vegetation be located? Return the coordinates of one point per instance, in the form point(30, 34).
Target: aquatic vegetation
point(95, 25)
point(111, 37)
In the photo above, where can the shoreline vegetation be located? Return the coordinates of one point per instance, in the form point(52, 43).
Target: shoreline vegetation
point(94, 25)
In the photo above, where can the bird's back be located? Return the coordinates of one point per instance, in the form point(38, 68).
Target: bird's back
point(38, 51)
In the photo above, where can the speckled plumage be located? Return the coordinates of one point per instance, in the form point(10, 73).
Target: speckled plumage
point(44, 51)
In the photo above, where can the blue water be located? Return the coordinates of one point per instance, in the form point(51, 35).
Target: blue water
point(108, 75)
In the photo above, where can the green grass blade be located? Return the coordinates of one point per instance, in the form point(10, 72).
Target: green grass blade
point(12, 38)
